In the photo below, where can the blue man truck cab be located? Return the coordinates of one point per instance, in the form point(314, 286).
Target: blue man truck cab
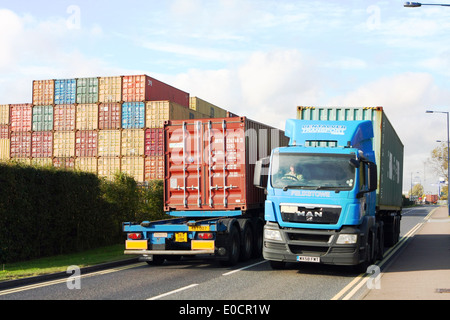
point(323, 202)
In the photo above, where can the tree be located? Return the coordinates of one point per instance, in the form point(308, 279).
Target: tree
point(439, 163)
point(417, 190)
point(439, 160)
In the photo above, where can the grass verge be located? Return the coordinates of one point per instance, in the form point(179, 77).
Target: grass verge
point(60, 263)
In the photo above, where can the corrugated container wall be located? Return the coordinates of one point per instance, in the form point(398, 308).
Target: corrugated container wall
point(108, 167)
point(154, 142)
point(158, 112)
point(43, 92)
point(42, 118)
point(65, 91)
point(133, 115)
point(86, 164)
point(132, 142)
point(109, 143)
point(64, 144)
point(67, 163)
point(42, 144)
point(206, 108)
point(21, 115)
point(154, 168)
point(86, 143)
point(87, 117)
point(4, 114)
point(210, 163)
point(133, 166)
point(5, 146)
point(110, 89)
point(109, 116)
point(64, 117)
point(20, 145)
point(87, 90)
point(144, 88)
point(4, 131)
point(387, 145)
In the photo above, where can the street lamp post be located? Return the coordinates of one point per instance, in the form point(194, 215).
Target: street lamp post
point(448, 156)
point(418, 4)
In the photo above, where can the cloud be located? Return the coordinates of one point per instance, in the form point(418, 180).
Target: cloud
point(405, 97)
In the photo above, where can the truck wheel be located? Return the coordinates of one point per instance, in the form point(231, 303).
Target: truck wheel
point(380, 251)
point(247, 242)
point(233, 249)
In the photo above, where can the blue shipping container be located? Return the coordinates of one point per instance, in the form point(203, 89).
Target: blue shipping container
point(133, 115)
point(65, 91)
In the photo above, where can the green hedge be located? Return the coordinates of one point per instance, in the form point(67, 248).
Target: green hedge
point(47, 211)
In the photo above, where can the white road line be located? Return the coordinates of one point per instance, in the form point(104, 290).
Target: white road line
point(243, 268)
point(172, 292)
point(361, 279)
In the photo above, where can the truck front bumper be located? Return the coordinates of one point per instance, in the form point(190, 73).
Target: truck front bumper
point(312, 245)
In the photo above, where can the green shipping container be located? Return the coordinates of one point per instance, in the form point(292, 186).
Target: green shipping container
point(87, 90)
point(387, 145)
point(42, 118)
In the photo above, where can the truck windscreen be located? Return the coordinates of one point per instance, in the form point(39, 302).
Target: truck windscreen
point(312, 171)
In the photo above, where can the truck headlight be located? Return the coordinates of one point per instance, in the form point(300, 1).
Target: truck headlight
point(347, 239)
point(272, 235)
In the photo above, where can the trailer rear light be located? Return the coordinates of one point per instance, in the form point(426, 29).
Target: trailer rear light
point(134, 236)
point(205, 236)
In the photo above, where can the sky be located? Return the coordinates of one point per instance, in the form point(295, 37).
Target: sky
point(257, 58)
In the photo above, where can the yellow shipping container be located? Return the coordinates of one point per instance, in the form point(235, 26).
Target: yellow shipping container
point(206, 108)
point(86, 164)
point(159, 111)
point(107, 167)
point(43, 92)
point(133, 142)
point(4, 114)
point(43, 162)
point(64, 144)
point(25, 161)
point(87, 117)
point(110, 89)
point(109, 143)
point(5, 145)
point(134, 167)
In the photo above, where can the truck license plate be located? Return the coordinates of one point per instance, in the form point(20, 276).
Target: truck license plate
point(180, 237)
point(308, 259)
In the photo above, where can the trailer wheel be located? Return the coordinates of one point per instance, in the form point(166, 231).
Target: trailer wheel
point(247, 242)
point(233, 249)
point(258, 230)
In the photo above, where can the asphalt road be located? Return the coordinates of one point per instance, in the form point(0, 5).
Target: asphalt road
point(204, 279)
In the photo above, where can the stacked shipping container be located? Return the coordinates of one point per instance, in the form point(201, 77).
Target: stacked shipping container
point(102, 125)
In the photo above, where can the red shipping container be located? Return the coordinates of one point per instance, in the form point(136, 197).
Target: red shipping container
point(20, 145)
point(209, 163)
point(109, 116)
point(64, 117)
point(21, 115)
point(144, 88)
point(42, 144)
point(154, 168)
point(154, 142)
point(86, 143)
point(4, 131)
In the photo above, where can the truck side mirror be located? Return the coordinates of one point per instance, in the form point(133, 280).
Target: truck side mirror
point(373, 177)
point(261, 173)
